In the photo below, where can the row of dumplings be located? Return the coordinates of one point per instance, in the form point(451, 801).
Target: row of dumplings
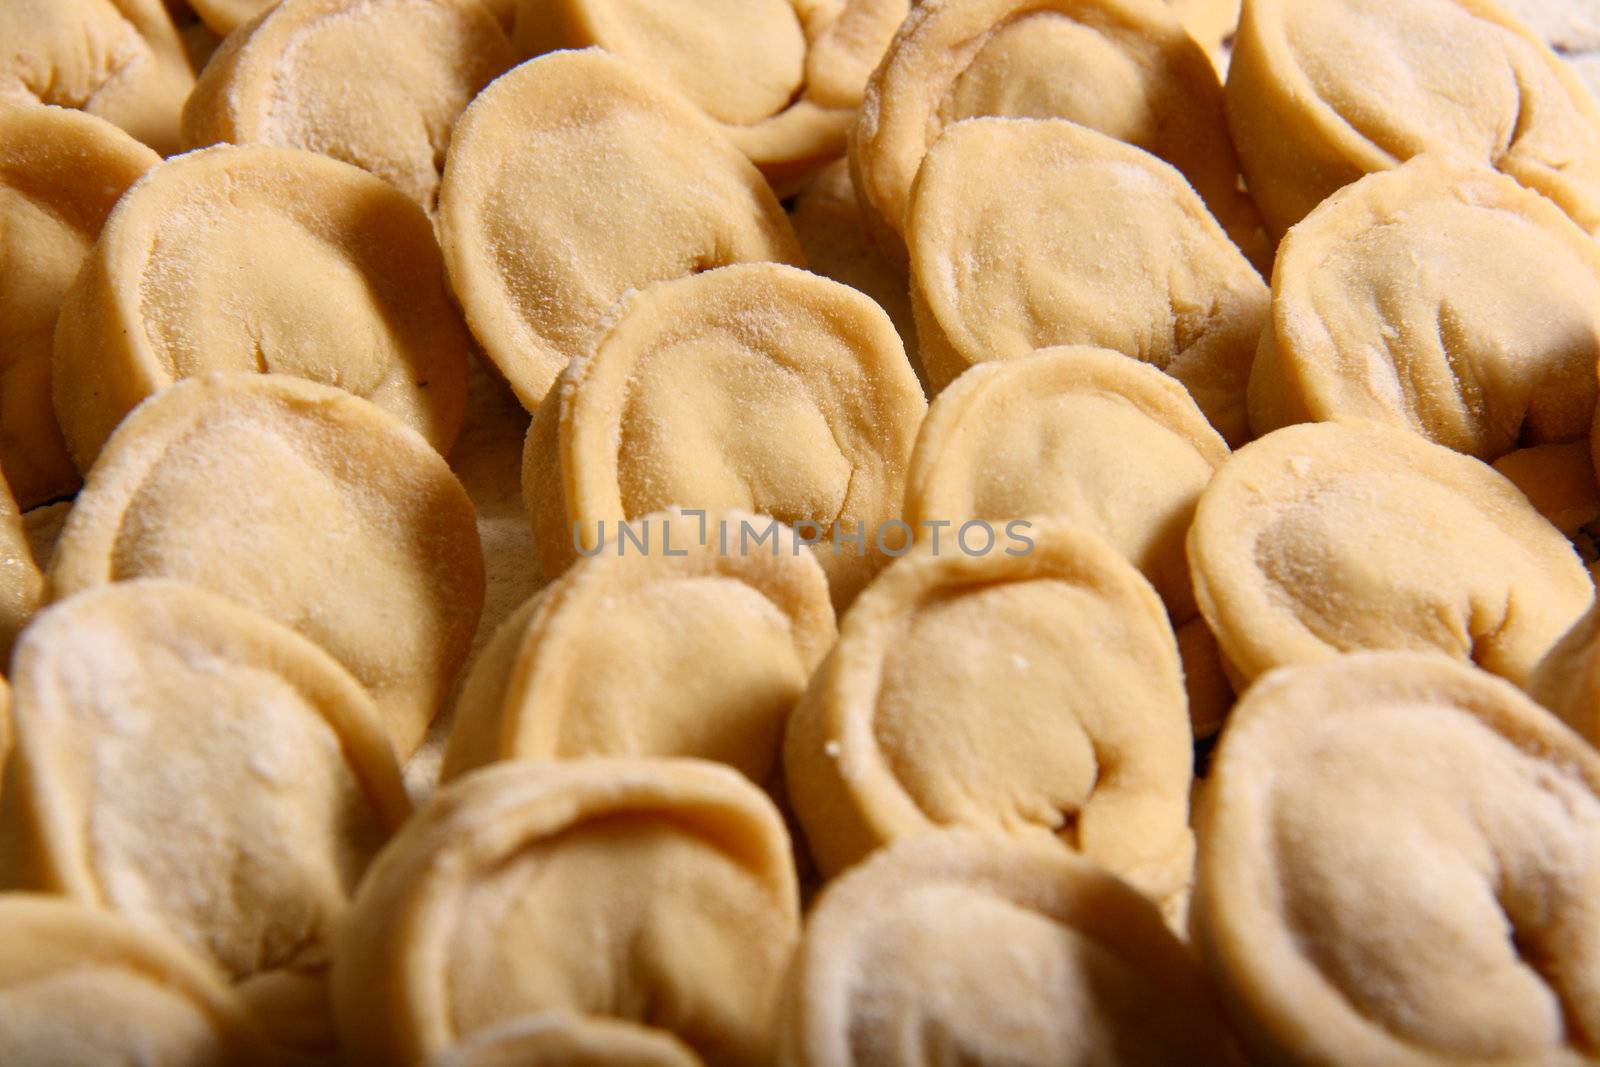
point(481, 602)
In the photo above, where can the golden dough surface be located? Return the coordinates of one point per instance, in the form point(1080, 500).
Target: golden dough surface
point(1031, 693)
point(720, 648)
point(305, 504)
point(154, 1004)
point(120, 60)
point(61, 172)
point(284, 80)
point(1124, 68)
point(1088, 435)
point(756, 387)
point(1339, 537)
point(1438, 297)
point(1029, 233)
point(660, 892)
point(573, 180)
point(1321, 92)
point(959, 947)
point(266, 767)
point(264, 259)
point(1401, 866)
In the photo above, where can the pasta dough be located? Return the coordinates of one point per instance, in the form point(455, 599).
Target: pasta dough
point(21, 584)
point(839, 243)
point(960, 948)
point(559, 1039)
point(573, 180)
point(757, 387)
point(1559, 482)
point(1321, 92)
point(1093, 437)
point(120, 60)
point(261, 259)
point(1439, 297)
point(305, 504)
point(719, 645)
point(225, 16)
point(1125, 68)
point(1030, 233)
point(60, 173)
point(1337, 537)
point(1572, 30)
point(1035, 694)
point(781, 78)
point(81, 987)
point(284, 81)
point(654, 891)
point(203, 771)
point(1567, 679)
point(1402, 866)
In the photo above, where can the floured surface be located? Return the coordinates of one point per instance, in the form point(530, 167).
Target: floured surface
point(1431, 839)
point(1031, 233)
point(1438, 298)
point(758, 388)
point(659, 892)
point(118, 59)
point(961, 693)
point(1328, 538)
point(262, 259)
point(1323, 92)
point(1124, 68)
point(153, 704)
point(1091, 436)
point(574, 180)
point(305, 504)
point(154, 1004)
point(720, 647)
point(955, 946)
point(285, 81)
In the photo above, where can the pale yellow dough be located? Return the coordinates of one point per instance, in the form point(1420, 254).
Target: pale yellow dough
point(1337, 537)
point(840, 243)
point(1559, 481)
point(1028, 233)
point(225, 16)
point(957, 947)
point(561, 1039)
point(21, 584)
point(1093, 437)
point(573, 180)
point(1212, 23)
point(261, 259)
point(61, 171)
point(1439, 297)
point(1567, 679)
point(203, 771)
point(120, 60)
point(303, 503)
point(1321, 92)
point(653, 891)
point(781, 78)
point(42, 527)
point(1402, 867)
point(80, 987)
point(1572, 30)
point(1035, 694)
point(1125, 68)
point(756, 387)
point(285, 79)
point(719, 647)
